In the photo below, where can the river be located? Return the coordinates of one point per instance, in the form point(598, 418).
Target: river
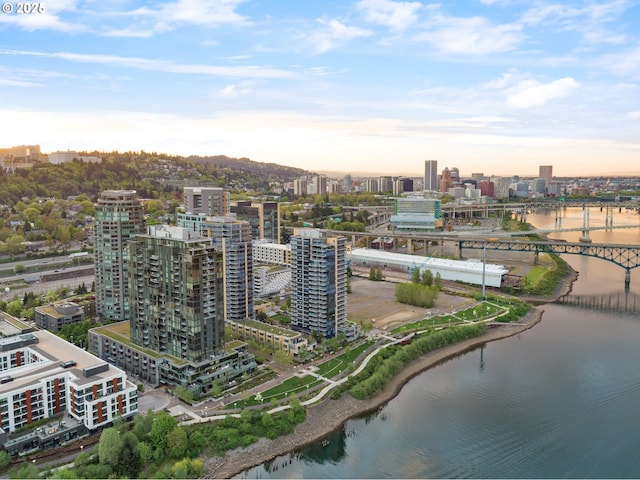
point(558, 401)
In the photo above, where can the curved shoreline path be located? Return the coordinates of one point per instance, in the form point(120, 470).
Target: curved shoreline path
point(325, 416)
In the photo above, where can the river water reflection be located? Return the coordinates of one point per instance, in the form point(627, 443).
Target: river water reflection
point(558, 401)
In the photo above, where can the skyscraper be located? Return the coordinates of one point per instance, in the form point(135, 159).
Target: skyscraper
point(546, 173)
point(119, 217)
point(318, 282)
point(176, 293)
point(233, 238)
point(431, 175)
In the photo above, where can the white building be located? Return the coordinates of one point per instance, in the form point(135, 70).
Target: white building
point(43, 376)
point(469, 271)
point(274, 253)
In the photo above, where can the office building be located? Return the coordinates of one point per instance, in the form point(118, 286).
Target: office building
point(318, 283)
point(416, 214)
point(546, 173)
point(213, 201)
point(119, 218)
point(385, 184)
point(431, 175)
point(264, 218)
point(445, 181)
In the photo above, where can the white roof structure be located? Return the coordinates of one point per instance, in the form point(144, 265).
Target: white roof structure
point(469, 271)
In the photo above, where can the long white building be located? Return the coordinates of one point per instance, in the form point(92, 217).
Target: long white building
point(469, 271)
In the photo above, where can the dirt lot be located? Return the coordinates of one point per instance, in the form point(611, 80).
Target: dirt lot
point(375, 302)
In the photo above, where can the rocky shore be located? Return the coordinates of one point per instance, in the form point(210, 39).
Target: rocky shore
point(330, 415)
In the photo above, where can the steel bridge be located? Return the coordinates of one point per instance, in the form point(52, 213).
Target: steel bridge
point(625, 256)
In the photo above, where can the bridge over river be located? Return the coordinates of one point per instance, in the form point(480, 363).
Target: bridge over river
point(625, 256)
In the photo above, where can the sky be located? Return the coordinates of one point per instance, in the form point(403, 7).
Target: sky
point(492, 86)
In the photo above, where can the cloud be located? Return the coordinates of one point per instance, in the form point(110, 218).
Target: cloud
point(471, 36)
point(395, 15)
point(333, 34)
point(168, 16)
point(234, 91)
point(531, 93)
point(159, 65)
point(625, 63)
point(588, 20)
point(633, 115)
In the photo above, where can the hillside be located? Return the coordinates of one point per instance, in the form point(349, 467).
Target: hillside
point(148, 173)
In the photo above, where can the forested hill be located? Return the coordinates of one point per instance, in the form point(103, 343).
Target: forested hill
point(151, 174)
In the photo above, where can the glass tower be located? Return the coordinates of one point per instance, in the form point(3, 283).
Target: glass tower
point(119, 217)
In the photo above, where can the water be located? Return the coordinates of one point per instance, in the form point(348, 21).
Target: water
point(558, 401)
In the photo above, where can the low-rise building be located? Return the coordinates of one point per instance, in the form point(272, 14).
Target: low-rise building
point(281, 338)
point(55, 316)
point(113, 344)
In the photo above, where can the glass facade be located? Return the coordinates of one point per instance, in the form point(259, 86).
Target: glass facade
point(119, 217)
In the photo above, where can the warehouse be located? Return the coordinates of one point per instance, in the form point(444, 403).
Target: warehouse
point(468, 271)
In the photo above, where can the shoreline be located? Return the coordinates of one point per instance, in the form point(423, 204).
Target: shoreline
point(329, 415)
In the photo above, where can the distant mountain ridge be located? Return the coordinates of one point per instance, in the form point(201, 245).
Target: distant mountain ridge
point(243, 164)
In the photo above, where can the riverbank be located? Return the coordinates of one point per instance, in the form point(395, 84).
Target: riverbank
point(329, 415)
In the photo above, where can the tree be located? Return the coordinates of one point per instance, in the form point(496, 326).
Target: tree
point(162, 425)
point(26, 470)
point(128, 461)
point(438, 281)
point(179, 442)
point(5, 458)
point(415, 275)
point(372, 273)
point(427, 278)
point(109, 446)
point(267, 420)
point(379, 275)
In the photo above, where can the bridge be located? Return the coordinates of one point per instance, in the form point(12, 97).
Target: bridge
point(621, 302)
point(625, 256)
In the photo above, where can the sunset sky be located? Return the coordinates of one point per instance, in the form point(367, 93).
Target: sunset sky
point(492, 86)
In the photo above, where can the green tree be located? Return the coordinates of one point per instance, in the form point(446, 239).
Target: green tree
point(372, 273)
point(5, 458)
point(179, 442)
point(128, 461)
point(162, 425)
point(379, 275)
point(415, 275)
point(438, 281)
point(427, 278)
point(109, 446)
point(25, 470)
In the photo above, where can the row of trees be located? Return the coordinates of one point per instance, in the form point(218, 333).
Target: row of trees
point(422, 291)
point(390, 361)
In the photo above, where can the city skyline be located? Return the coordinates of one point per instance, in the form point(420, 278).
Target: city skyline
point(366, 85)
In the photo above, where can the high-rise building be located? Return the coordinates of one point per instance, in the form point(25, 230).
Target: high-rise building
point(546, 172)
point(212, 201)
point(372, 185)
point(431, 175)
point(445, 181)
point(385, 184)
point(176, 293)
point(318, 282)
point(233, 238)
point(348, 183)
point(501, 186)
point(119, 218)
point(264, 218)
point(486, 188)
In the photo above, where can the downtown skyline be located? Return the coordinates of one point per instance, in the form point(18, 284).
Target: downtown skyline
point(494, 86)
